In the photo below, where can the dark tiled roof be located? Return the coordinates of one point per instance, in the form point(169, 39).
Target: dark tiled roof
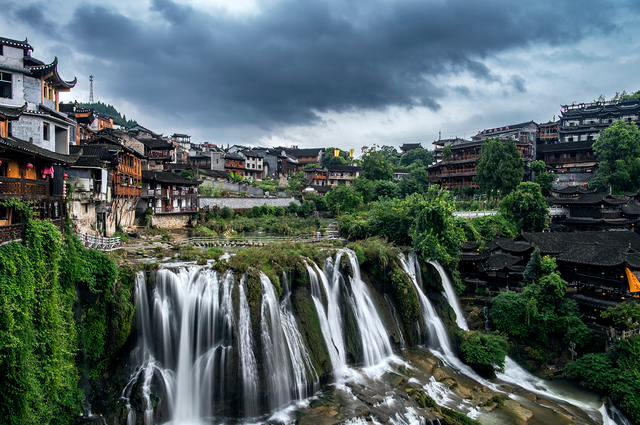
point(168, 178)
point(594, 221)
point(603, 244)
point(592, 301)
point(303, 152)
point(350, 168)
point(322, 189)
point(16, 43)
point(180, 167)
point(218, 174)
point(254, 154)
point(89, 162)
point(31, 149)
point(114, 143)
point(597, 255)
point(12, 112)
point(234, 156)
point(474, 256)
point(513, 246)
point(52, 68)
point(565, 147)
point(409, 146)
point(155, 143)
point(501, 261)
point(632, 207)
point(468, 246)
point(572, 190)
point(101, 152)
point(590, 199)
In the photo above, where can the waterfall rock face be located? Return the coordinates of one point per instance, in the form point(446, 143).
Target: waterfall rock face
point(221, 348)
point(214, 346)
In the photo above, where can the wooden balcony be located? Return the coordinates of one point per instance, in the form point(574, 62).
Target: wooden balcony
point(24, 188)
point(120, 190)
point(16, 231)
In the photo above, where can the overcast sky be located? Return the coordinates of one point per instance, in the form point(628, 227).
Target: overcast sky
point(343, 73)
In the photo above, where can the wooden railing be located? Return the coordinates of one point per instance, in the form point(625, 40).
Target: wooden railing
point(100, 243)
point(23, 188)
point(11, 232)
point(127, 190)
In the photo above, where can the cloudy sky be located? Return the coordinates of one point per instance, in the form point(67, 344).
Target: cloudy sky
point(343, 73)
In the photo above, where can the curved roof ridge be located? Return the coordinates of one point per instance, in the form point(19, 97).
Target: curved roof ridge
point(39, 71)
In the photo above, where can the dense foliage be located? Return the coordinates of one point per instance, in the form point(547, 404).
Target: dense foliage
point(40, 343)
point(488, 350)
point(616, 372)
point(376, 164)
point(527, 207)
point(499, 167)
point(618, 152)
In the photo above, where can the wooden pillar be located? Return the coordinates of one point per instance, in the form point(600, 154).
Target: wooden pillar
point(57, 100)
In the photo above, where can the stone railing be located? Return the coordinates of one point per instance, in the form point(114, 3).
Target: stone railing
point(474, 214)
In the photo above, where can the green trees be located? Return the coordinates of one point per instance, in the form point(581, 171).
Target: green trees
point(424, 156)
point(329, 158)
point(343, 199)
point(528, 208)
point(618, 151)
point(542, 178)
point(375, 164)
point(484, 350)
point(499, 166)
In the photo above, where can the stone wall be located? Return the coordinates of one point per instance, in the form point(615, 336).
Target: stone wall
point(84, 216)
point(170, 221)
point(237, 188)
point(245, 203)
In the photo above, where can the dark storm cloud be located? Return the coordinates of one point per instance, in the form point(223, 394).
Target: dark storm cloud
point(297, 58)
point(518, 84)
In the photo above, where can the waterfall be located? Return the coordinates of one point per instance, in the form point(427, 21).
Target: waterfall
point(513, 373)
point(439, 341)
point(450, 295)
point(374, 340)
point(287, 359)
point(247, 358)
point(330, 318)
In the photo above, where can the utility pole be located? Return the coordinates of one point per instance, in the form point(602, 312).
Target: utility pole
point(91, 89)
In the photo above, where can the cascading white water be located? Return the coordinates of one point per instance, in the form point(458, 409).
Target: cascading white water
point(288, 366)
point(450, 295)
point(439, 341)
point(247, 358)
point(374, 340)
point(330, 318)
point(513, 373)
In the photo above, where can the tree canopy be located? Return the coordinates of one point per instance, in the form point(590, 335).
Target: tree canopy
point(618, 152)
point(343, 199)
point(420, 154)
point(376, 165)
point(499, 166)
point(528, 208)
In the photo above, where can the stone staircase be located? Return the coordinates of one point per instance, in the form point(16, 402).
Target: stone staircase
point(331, 231)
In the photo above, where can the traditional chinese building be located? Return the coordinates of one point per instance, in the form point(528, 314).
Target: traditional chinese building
point(342, 174)
point(31, 173)
point(254, 165)
point(583, 122)
point(460, 168)
point(234, 163)
point(125, 175)
point(26, 80)
point(597, 212)
point(596, 265)
point(173, 199)
point(316, 176)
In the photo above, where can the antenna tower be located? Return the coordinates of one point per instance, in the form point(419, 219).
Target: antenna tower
point(91, 89)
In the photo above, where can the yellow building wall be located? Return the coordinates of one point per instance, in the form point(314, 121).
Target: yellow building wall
point(13, 171)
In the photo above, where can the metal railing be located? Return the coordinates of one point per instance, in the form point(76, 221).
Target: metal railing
point(474, 214)
point(100, 243)
point(170, 210)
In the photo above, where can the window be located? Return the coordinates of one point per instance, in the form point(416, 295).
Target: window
point(45, 131)
point(1, 51)
point(5, 85)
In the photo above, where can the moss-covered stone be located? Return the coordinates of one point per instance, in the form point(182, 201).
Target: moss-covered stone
point(309, 326)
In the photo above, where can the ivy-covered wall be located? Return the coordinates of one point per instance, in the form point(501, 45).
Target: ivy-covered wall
point(49, 337)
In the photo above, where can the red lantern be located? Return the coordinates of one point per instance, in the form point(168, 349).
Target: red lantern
point(65, 175)
point(0, 162)
point(29, 166)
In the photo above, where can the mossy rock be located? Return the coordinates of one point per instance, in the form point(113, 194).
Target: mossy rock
point(309, 326)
